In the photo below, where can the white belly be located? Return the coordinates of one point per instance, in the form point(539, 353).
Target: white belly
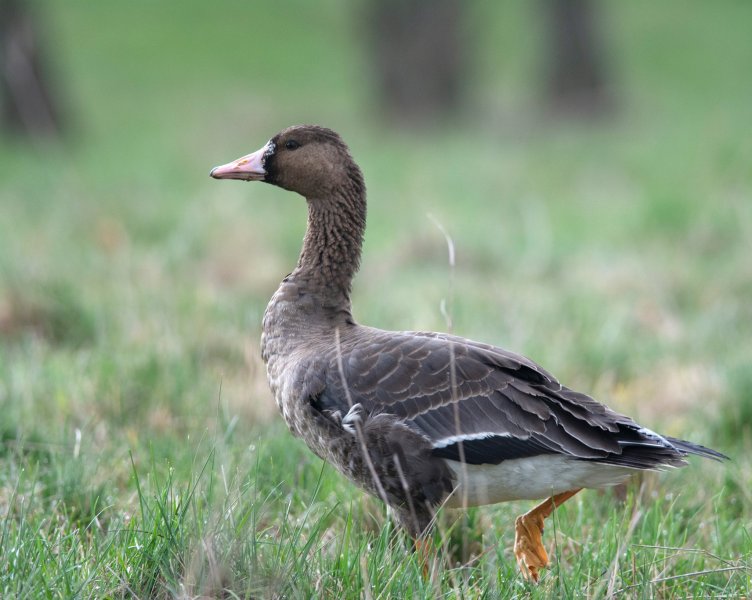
point(528, 479)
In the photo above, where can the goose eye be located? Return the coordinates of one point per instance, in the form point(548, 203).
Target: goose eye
point(291, 144)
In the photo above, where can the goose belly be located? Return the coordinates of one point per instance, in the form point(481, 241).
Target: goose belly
point(528, 479)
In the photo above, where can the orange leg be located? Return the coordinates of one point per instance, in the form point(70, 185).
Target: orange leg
point(425, 550)
point(528, 532)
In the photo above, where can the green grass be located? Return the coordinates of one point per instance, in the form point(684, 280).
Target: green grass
point(140, 452)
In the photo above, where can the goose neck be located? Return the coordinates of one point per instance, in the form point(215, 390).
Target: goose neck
point(332, 247)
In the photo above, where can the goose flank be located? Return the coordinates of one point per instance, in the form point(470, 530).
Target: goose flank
point(422, 420)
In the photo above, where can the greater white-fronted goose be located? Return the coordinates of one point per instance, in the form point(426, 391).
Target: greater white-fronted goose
point(422, 420)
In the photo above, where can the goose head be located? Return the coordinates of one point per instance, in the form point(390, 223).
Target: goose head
point(310, 160)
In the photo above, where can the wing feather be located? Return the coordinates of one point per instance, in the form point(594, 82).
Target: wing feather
point(496, 404)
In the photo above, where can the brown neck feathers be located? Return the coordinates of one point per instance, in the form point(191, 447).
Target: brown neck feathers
point(331, 249)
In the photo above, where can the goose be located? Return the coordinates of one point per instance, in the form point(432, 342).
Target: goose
point(422, 420)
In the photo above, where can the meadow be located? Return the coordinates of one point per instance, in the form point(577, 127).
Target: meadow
point(141, 454)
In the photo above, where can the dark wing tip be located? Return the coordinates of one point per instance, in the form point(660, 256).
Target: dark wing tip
point(686, 447)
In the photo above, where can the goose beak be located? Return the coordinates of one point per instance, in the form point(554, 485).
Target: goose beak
point(247, 168)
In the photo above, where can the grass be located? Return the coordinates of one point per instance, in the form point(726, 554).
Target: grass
point(140, 452)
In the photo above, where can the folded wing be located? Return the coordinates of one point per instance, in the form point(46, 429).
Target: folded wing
point(483, 405)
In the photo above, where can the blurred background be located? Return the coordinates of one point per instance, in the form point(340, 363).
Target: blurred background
point(591, 161)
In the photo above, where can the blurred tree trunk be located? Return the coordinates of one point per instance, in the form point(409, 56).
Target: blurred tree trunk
point(29, 104)
point(418, 58)
point(577, 78)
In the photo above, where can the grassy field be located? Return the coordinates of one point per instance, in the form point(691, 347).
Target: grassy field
point(140, 452)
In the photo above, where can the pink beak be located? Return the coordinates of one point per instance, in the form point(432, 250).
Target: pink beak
point(247, 168)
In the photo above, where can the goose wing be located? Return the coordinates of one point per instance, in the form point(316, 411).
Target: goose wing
point(482, 404)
